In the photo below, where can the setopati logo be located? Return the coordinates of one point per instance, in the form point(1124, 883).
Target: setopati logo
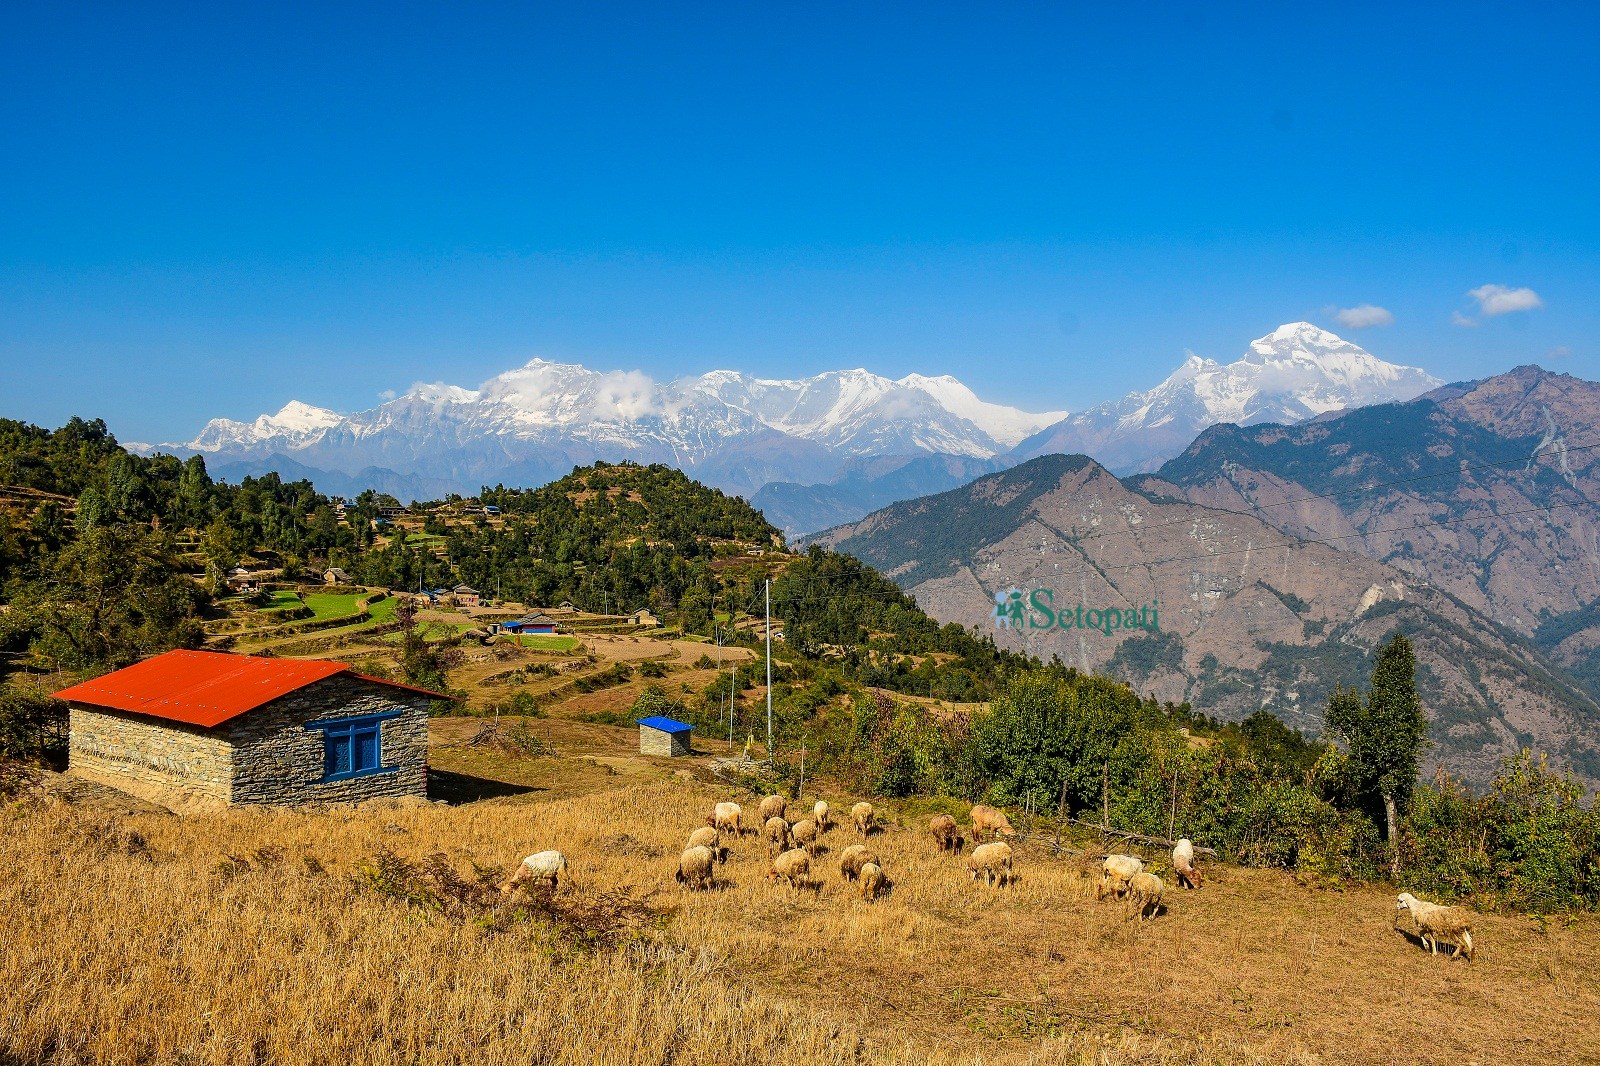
point(1038, 610)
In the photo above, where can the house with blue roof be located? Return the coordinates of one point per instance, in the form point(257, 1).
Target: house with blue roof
point(659, 735)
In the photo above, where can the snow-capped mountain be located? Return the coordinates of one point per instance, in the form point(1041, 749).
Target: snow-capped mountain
point(1296, 372)
point(535, 422)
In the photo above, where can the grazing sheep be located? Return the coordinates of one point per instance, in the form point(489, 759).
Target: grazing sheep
point(724, 818)
point(853, 858)
point(1183, 865)
point(990, 820)
point(861, 815)
point(793, 867)
point(819, 814)
point(779, 838)
point(872, 881)
point(706, 837)
point(695, 867)
point(544, 866)
point(1437, 922)
point(805, 835)
point(1144, 894)
point(1115, 873)
point(772, 807)
point(945, 832)
point(992, 862)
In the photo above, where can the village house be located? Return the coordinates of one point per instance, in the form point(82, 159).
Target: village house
point(536, 624)
point(465, 596)
point(664, 736)
point(237, 729)
point(335, 576)
point(643, 617)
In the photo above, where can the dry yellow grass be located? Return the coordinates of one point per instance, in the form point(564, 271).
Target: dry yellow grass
point(114, 952)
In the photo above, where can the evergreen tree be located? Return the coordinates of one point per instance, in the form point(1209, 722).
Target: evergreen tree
point(1385, 735)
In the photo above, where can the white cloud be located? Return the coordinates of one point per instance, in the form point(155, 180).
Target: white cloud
point(1364, 315)
point(387, 394)
point(1459, 319)
point(1500, 300)
point(1560, 351)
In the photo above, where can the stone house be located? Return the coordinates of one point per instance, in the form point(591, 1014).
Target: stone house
point(222, 729)
point(664, 736)
point(643, 617)
point(335, 576)
point(465, 596)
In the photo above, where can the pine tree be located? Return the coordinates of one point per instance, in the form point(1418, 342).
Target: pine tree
point(1385, 735)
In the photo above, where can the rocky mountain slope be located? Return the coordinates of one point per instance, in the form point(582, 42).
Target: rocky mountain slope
point(1244, 616)
point(865, 486)
point(1294, 373)
point(1524, 445)
point(532, 424)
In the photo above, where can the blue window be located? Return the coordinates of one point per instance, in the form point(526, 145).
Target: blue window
point(353, 747)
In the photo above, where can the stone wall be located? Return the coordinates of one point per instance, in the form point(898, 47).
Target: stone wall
point(277, 759)
point(660, 742)
point(148, 757)
point(267, 755)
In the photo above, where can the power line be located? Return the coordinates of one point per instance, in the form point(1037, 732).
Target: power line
point(1342, 492)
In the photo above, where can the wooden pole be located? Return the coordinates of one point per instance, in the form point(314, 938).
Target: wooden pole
point(1105, 795)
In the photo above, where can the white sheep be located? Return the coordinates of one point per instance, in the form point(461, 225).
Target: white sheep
point(724, 818)
point(706, 837)
point(991, 820)
point(872, 881)
point(819, 814)
point(772, 807)
point(1183, 864)
point(1437, 922)
point(1115, 873)
point(695, 867)
point(1144, 894)
point(853, 859)
point(805, 835)
point(543, 866)
point(861, 814)
point(992, 862)
point(793, 867)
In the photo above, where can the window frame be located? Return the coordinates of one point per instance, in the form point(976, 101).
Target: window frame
point(334, 730)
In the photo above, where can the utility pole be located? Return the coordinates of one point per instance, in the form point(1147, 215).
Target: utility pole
point(768, 669)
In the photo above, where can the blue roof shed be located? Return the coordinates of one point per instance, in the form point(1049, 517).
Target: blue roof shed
point(663, 736)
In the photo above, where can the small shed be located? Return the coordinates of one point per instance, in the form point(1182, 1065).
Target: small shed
point(643, 617)
point(663, 736)
point(335, 576)
point(233, 729)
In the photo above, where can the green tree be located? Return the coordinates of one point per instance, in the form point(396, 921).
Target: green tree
point(1385, 735)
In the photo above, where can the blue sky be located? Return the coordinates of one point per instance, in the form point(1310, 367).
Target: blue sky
point(208, 212)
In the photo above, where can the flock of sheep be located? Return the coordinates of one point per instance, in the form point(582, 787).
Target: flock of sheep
point(792, 847)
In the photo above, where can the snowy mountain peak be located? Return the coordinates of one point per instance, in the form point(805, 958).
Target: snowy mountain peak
point(547, 416)
point(1297, 371)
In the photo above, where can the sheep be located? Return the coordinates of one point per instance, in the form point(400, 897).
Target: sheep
point(990, 820)
point(819, 814)
point(945, 832)
point(872, 881)
point(695, 867)
point(725, 818)
point(1115, 873)
point(992, 862)
point(706, 837)
point(805, 835)
point(1144, 894)
point(1183, 865)
point(772, 807)
point(543, 866)
point(1436, 922)
point(791, 866)
point(861, 815)
point(853, 858)
point(778, 836)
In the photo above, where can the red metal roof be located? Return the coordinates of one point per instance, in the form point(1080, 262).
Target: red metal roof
point(207, 688)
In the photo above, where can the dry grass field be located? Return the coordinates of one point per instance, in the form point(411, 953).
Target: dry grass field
point(133, 936)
